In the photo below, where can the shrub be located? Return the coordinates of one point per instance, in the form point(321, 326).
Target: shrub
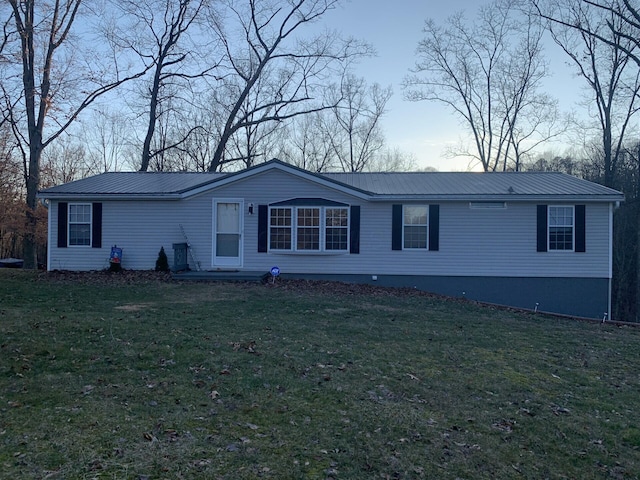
point(162, 263)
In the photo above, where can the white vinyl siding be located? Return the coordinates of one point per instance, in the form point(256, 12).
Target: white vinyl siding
point(473, 242)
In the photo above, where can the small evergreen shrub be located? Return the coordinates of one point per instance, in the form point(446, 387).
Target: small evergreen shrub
point(162, 263)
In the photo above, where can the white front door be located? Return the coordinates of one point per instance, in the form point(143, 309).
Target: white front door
point(227, 232)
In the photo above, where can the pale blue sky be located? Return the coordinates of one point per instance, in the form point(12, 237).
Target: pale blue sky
point(394, 28)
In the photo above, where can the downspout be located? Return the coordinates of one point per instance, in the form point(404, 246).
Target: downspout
point(612, 207)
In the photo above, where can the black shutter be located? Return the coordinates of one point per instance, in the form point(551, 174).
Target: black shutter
point(354, 242)
point(396, 227)
point(542, 228)
point(434, 228)
point(62, 224)
point(96, 226)
point(263, 232)
point(580, 229)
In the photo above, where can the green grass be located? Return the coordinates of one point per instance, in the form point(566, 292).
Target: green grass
point(105, 378)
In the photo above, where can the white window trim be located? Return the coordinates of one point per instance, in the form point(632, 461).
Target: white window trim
point(419, 249)
point(69, 223)
point(573, 229)
point(294, 230)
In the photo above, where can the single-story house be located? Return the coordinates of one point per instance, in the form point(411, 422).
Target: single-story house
point(540, 241)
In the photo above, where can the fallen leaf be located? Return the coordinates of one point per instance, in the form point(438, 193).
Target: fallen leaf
point(214, 394)
point(558, 410)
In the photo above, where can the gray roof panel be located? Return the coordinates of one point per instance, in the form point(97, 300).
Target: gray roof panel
point(135, 183)
point(409, 185)
point(471, 184)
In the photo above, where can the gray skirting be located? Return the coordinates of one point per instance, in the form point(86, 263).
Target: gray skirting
point(580, 297)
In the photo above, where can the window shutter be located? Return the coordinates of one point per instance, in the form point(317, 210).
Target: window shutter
point(434, 228)
point(263, 232)
point(62, 224)
point(580, 228)
point(354, 245)
point(396, 227)
point(542, 228)
point(96, 226)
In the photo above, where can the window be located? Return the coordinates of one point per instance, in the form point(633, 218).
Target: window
point(280, 229)
point(309, 229)
point(80, 224)
point(561, 227)
point(415, 226)
point(337, 228)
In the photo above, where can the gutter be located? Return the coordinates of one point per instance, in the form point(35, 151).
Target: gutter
point(501, 198)
point(109, 196)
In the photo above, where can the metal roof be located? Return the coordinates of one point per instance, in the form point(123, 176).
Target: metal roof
point(135, 183)
point(375, 186)
point(471, 184)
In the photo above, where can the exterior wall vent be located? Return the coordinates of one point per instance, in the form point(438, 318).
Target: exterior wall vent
point(487, 205)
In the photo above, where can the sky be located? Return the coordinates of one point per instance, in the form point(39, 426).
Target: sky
point(394, 28)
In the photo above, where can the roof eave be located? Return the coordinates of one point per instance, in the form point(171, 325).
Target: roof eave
point(108, 196)
point(500, 198)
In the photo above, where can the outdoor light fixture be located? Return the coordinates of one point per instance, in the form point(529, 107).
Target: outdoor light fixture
point(251, 209)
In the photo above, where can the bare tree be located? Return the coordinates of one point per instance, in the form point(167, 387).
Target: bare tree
point(107, 136)
point(162, 33)
point(268, 45)
point(357, 136)
point(488, 72)
point(625, 13)
point(305, 144)
point(250, 143)
point(602, 51)
point(64, 161)
point(198, 147)
point(394, 160)
point(55, 85)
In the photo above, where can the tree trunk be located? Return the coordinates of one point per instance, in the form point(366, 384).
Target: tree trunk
point(30, 249)
point(153, 109)
point(638, 238)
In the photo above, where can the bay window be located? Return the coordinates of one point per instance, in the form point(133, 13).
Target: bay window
point(309, 228)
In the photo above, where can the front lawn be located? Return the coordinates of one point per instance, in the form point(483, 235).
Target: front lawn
point(107, 376)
